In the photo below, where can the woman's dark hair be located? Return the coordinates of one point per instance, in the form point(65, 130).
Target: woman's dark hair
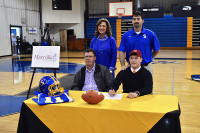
point(108, 27)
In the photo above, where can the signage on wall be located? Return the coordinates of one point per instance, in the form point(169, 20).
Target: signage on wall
point(150, 9)
point(32, 30)
point(45, 57)
point(152, 12)
point(186, 11)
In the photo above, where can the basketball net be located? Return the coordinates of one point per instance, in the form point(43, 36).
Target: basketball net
point(119, 15)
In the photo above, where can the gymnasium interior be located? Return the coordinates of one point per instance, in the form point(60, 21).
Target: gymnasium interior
point(70, 25)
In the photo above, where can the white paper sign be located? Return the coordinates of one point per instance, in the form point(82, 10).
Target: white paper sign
point(46, 57)
point(116, 97)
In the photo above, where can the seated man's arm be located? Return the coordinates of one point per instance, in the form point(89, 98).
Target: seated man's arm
point(148, 85)
point(117, 81)
point(77, 82)
point(108, 79)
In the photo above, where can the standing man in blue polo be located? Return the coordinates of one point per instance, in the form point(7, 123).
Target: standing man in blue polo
point(139, 38)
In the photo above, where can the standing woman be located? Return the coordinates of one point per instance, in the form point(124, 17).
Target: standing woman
point(104, 45)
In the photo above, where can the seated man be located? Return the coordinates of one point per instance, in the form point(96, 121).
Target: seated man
point(92, 76)
point(136, 80)
point(35, 43)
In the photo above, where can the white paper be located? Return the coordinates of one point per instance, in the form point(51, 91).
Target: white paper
point(116, 97)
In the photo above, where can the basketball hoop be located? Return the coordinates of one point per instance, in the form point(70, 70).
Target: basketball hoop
point(120, 9)
point(119, 15)
point(120, 12)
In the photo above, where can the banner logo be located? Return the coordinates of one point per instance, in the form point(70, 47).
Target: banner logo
point(187, 8)
point(46, 58)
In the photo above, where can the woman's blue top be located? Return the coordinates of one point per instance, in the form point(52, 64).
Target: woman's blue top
point(106, 51)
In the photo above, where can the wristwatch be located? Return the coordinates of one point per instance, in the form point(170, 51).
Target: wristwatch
point(137, 93)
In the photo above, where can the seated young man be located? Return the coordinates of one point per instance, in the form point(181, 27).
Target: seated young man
point(136, 80)
point(92, 76)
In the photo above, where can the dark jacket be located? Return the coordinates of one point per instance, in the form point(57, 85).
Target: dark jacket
point(140, 81)
point(102, 77)
point(35, 44)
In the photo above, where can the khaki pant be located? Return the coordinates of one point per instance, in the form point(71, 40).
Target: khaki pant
point(149, 67)
point(13, 49)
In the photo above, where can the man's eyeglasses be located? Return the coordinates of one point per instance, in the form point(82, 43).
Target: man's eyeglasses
point(88, 56)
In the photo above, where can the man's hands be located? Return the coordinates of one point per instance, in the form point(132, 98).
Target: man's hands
point(132, 95)
point(112, 93)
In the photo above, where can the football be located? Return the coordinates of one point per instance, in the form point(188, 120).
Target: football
point(92, 96)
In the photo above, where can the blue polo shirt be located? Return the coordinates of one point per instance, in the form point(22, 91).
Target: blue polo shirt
point(146, 41)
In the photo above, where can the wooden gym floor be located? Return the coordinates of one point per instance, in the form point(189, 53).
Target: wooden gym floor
point(172, 76)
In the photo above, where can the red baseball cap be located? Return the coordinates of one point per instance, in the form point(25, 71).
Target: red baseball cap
point(135, 52)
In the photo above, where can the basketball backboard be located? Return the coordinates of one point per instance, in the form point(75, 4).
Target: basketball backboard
point(119, 9)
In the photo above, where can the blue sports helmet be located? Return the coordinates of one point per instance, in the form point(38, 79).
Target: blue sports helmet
point(51, 86)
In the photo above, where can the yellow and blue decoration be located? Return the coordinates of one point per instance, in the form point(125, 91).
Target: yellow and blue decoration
point(51, 92)
point(195, 77)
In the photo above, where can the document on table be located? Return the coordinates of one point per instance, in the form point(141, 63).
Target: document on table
point(116, 97)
